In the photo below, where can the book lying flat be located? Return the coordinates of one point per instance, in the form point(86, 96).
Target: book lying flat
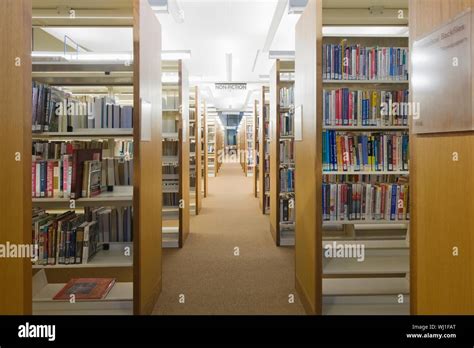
point(85, 289)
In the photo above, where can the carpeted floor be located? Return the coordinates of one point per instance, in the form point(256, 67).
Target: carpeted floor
point(206, 272)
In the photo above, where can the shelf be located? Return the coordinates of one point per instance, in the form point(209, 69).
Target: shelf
point(365, 128)
point(402, 223)
point(119, 301)
point(170, 110)
point(373, 264)
point(121, 196)
point(365, 286)
point(99, 133)
point(369, 243)
point(103, 259)
point(367, 173)
point(364, 305)
point(370, 82)
point(170, 136)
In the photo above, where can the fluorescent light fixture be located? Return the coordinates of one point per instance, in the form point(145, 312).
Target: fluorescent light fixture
point(281, 55)
point(296, 6)
point(176, 54)
point(365, 31)
point(171, 7)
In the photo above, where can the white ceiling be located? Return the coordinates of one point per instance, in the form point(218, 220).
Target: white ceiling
point(211, 29)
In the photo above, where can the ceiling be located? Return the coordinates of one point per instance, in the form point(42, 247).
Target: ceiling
point(229, 40)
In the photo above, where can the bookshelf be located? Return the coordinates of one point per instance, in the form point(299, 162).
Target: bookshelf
point(37, 284)
point(264, 150)
point(195, 150)
point(256, 147)
point(204, 148)
point(341, 116)
point(176, 155)
point(388, 137)
point(220, 152)
point(282, 165)
point(241, 145)
point(211, 147)
point(249, 145)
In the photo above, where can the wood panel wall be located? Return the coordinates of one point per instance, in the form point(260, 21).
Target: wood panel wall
point(308, 158)
point(442, 191)
point(15, 132)
point(147, 189)
point(183, 130)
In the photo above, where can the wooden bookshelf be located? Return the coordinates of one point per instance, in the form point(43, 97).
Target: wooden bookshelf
point(204, 149)
point(256, 147)
point(176, 136)
point(15, 99)
point(344, 285)
point(281, 84)
point(241, 144)
point(195, 146)
point(139, 275)
point(219, 155)
point(212, 143)
point(264, 150)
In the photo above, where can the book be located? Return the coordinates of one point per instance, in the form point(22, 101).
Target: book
point(85, 289)
point(360, 151)
point(356, 62)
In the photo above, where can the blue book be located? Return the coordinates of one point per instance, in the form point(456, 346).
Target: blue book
point(43, 178)
point(393, 205)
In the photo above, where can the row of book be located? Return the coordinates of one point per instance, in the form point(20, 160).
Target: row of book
point(170, 199)
point(170, 169)
point(287, 97)
point(385, 151)
point(170, 148)
point(54, 110)
point(170, 186)
point(356, 62)
point(286, 124)
point(287, 179)
point(287, 209)
point(346, 107)
point(71, 238)
point(365, 202)
point(47, 150)
point(75, 176)
point(170, 100)
point(287, 154)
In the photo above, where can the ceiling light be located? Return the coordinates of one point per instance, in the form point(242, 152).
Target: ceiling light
point(366, 31)
point(281, 55)
point(296, 6)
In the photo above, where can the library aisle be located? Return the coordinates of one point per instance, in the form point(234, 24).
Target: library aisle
point(215, 281)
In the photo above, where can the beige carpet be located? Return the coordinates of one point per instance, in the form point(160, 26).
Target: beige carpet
point(206, 272)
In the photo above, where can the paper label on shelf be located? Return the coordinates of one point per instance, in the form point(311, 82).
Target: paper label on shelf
point(145, 119)
point(299, 123)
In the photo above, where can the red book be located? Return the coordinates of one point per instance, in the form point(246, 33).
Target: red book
point(49, 178)
point(85, 289)
point(33, 179)
point(79, 156)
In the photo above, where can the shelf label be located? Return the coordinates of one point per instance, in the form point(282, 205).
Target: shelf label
point(441, 81)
